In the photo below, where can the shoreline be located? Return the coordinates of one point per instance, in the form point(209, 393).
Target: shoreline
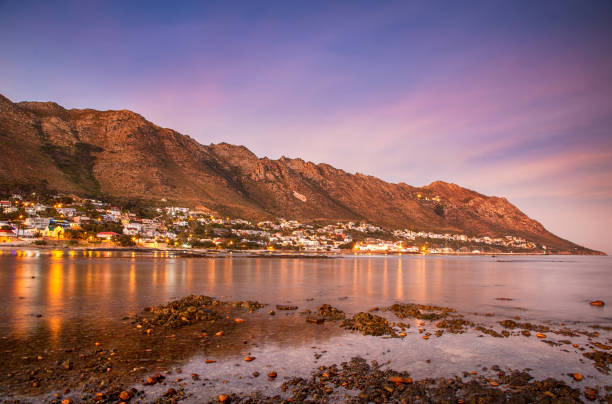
point(212, 253)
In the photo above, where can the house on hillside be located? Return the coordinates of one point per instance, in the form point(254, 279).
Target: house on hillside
point(107, 235)
point(7, 236)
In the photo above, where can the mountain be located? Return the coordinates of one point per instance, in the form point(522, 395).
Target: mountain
point(122, 155)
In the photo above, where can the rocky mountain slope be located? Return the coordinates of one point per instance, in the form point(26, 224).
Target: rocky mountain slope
point(122, 155)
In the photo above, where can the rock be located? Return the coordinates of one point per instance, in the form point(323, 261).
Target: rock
point(249, 358)
point(590, 394)
point(179, 313)
point(255, 374)
point(602, 360)
point(125, 396)
point(272, 375)
point(99, 397)
point(283, 307)
point(577, 376)
point(67, 364)
point(400, 380)
point(151, 380)
point(369, 324)
point(249, 304)
point(195, 376)
point(170, 392)
point(219, 334)
point(239, 320)
point(271, 312)
point(493, 383)
point(597, 303)
point(602, 346)
point(540, 335)
point(421, 311)
point(209, 361)
point(331, 313)
point(314, 320)
point(223, 398)
point(454, 325)
point(67, 400)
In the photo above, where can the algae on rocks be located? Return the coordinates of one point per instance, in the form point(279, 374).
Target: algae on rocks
point(330, 313)
point(369, 324)
point(182, 312)
point(420, 311)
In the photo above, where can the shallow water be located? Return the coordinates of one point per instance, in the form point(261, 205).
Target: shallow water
point(63, 299)
point(63, 288)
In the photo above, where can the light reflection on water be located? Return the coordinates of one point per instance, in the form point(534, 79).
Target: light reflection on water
point(65, 287)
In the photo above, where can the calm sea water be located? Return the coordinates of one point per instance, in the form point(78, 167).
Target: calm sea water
point(56, 291)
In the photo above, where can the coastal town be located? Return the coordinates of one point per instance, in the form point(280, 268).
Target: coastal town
point(67, 220)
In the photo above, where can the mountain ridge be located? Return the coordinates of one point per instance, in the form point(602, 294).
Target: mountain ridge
point(118, 153)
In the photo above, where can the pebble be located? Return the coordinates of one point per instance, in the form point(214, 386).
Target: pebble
point(601, 346)
point(218, 334)
point(272, 375)
point(249, 358)
point(598, 303)
point(209, 361)
point(67, 364)
point(400, 380)
point(590, 394)
point(124, 395)
point(223, 398)
point(577, 377)
point(540, 335)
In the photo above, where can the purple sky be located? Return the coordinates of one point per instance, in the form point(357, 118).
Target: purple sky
point(507, 98)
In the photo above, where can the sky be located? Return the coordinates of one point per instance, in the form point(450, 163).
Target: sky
point(509, 98)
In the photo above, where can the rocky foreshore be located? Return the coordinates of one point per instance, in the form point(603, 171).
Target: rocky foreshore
point(141, 358)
